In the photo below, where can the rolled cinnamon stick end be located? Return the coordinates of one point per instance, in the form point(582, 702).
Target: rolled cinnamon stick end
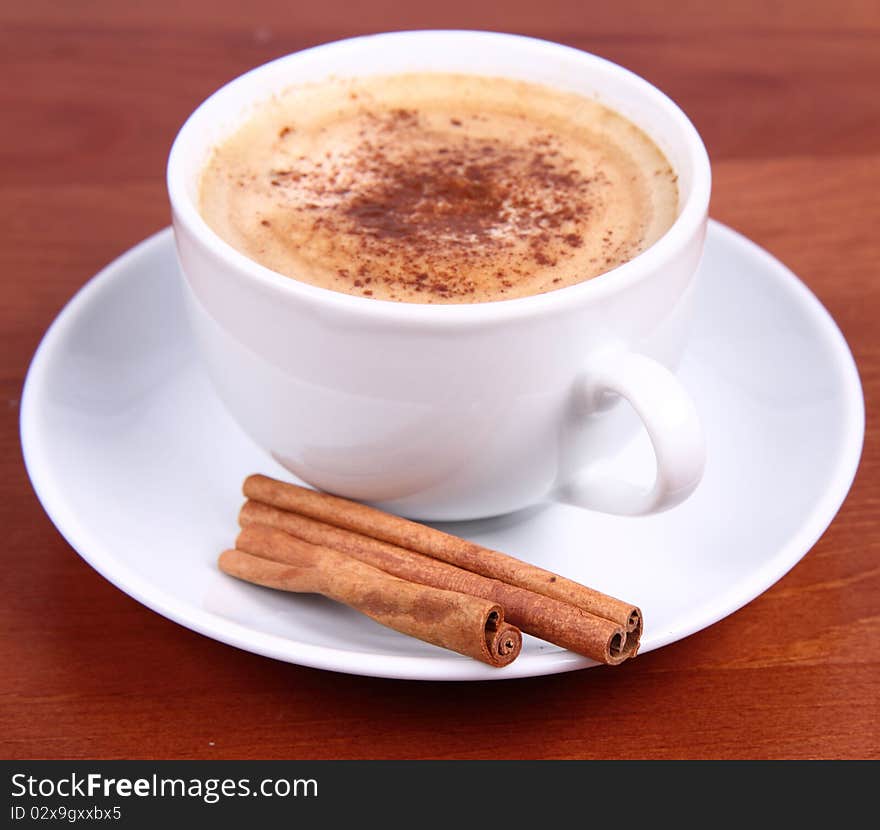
point(557, 622)
point(466, 624)
point(369, 521)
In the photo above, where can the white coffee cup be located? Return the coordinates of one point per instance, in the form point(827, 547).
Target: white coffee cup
point(454, 411)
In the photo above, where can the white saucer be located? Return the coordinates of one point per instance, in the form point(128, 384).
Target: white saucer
point(139, 466)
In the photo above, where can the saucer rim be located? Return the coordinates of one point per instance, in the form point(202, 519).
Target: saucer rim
point(449, 667)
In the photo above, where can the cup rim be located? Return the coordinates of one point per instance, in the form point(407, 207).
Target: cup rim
point(692, 216)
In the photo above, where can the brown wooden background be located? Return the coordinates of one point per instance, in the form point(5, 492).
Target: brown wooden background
point(786, 97)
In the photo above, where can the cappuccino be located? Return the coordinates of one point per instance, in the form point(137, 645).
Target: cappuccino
point(437, 188)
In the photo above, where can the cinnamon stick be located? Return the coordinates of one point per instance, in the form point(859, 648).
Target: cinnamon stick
point(557, 622)
point(470, 556)
point(469, 625)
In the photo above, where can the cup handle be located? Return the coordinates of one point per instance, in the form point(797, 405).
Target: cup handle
point(671, 421)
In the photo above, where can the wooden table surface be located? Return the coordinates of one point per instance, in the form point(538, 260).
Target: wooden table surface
point(785, 95)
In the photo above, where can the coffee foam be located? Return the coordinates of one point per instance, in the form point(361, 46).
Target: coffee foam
point(438, 188)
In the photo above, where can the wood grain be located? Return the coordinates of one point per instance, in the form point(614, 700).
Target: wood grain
point(785, 97)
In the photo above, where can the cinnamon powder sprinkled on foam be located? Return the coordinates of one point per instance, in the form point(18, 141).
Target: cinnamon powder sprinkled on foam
point(477, 190)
